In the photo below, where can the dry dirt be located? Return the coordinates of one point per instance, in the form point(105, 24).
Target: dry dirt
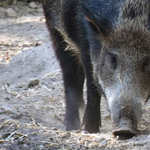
point(32, 95)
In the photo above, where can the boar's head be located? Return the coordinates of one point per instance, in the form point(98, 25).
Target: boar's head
point(120, 54)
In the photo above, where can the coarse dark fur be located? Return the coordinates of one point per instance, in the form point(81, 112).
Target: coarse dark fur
point(108, 43)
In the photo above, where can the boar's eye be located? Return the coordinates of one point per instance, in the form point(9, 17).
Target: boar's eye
point(146, 64)
point(94, 27)
point(112, 60)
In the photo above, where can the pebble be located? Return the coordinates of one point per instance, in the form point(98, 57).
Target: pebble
point(32, 5)
point(53, 128)
point(11, 13)
point(65, 134)
point(33, 83)
point(99, 140)
point(29, 10)
point(84, 132)
point(10, 2)
point(3, 148)
point(15, 8)
point(103, 143)
point(41, 147)
point(93, 145)
point(40, 10)
point(25, 145)
point(77, 131)
point(2, 11)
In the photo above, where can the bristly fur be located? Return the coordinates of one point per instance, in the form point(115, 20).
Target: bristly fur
point(129, 36)
point(113, 36)
point(136, 11)
point(132, 28)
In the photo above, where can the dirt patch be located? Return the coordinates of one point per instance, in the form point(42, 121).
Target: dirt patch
point(32, 106)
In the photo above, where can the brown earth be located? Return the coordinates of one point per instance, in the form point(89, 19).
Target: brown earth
point(32, 95)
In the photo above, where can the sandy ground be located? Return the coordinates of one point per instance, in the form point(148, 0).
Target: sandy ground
point(32, 95)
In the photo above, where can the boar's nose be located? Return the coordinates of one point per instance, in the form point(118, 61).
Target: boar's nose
point(125, 129)
point(126, 124)
point(125, 114)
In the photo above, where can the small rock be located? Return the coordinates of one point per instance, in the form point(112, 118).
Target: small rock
point(28, 10)
point(58, 118)
point(41, 147)
point(3, 148)
point(53, 128)
point(99, 140)
point(65, 134)
point(2, 9)
point(11, 13)
point(103, 143)
point(40, 10)
point(10, 2)
point(2, 12)
point(7, 98)
point(33, 5)
point(139, 143)
point(25, 145)
point(33, 83)
point(84, 132)
point(93, 145)
point(15, 8)
point(37, 43)
point(77, 131)
point(86, 144)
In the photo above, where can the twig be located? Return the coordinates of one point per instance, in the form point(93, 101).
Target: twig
point(34, 122)
point(17, 133)
point(2, 141)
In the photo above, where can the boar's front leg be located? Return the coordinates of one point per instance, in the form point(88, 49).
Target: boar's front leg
point(76, 29)
point(73, 77)
point(92, 117)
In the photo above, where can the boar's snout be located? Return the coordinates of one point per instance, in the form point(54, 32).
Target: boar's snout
point(125, 114)
point(125, 129)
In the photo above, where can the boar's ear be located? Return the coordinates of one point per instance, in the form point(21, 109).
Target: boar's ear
point(98, 23)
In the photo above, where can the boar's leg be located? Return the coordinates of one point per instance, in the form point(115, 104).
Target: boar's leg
point(73, 77)
point(92, 117)
point(76, 29)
